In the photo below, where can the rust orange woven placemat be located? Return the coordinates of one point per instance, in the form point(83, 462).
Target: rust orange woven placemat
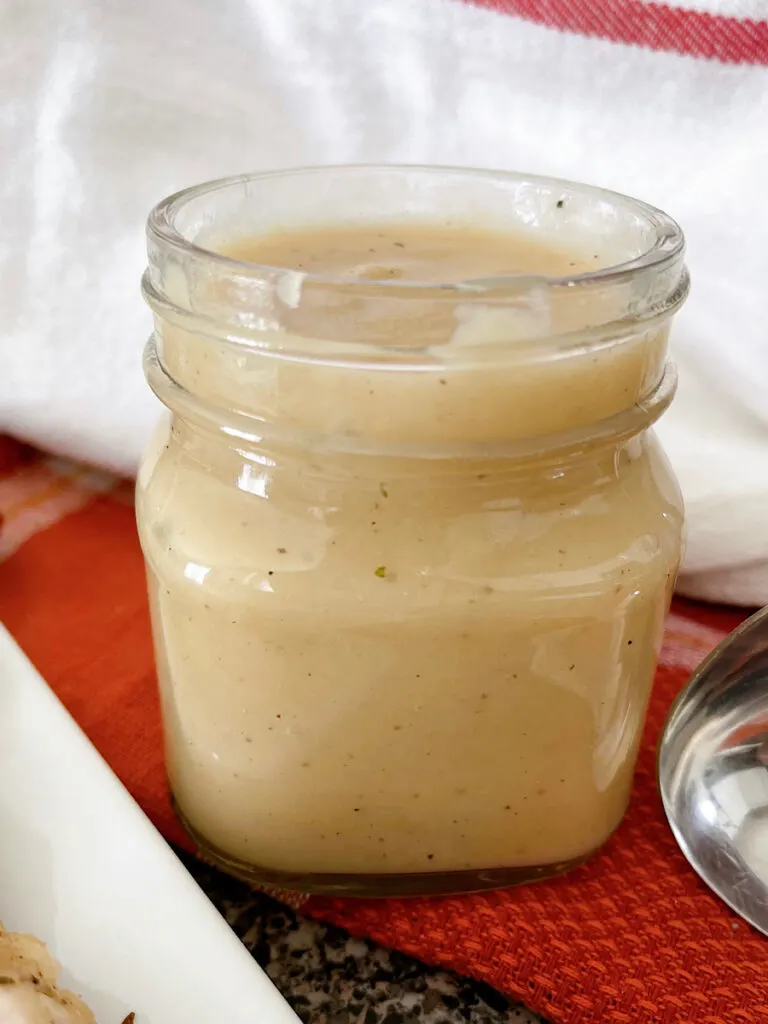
point(632, 937)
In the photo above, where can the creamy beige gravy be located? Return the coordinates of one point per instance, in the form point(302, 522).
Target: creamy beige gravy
point(375, 664)
point(428, 253)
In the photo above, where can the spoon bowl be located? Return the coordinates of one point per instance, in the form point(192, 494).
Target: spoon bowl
point(713, 770)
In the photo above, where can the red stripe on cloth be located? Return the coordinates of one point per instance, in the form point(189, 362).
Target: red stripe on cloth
point(651, 25)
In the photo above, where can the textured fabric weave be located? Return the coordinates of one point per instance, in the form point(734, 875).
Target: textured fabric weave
point(632, 937)
point(658, 26)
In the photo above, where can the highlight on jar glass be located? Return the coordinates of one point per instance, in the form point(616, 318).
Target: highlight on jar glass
point(410, 537)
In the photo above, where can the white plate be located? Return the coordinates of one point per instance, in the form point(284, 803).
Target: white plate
point(83, 869)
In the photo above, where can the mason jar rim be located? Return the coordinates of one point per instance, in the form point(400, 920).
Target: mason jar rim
point(667, 247)
point(237, 314)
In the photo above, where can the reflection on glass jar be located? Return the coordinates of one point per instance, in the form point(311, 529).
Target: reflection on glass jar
point(410, 539)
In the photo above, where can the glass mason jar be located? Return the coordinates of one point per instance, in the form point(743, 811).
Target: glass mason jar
point(407, 595)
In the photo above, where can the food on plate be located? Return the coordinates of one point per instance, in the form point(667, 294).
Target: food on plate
point(28, 990)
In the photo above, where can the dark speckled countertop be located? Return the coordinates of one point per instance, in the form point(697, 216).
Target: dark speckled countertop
point(330, 978)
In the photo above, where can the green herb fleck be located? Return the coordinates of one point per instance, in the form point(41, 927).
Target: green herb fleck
point(560, 204)
point(380, 571)
point(384, 491)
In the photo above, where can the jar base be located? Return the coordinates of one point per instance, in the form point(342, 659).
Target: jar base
point(375, 886)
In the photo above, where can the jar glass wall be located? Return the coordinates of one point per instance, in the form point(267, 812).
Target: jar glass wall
point(409, 544)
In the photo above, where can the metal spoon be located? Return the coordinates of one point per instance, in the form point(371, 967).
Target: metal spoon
point(713, 770)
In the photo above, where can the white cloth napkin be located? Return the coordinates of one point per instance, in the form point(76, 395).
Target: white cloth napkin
point(108, 106)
